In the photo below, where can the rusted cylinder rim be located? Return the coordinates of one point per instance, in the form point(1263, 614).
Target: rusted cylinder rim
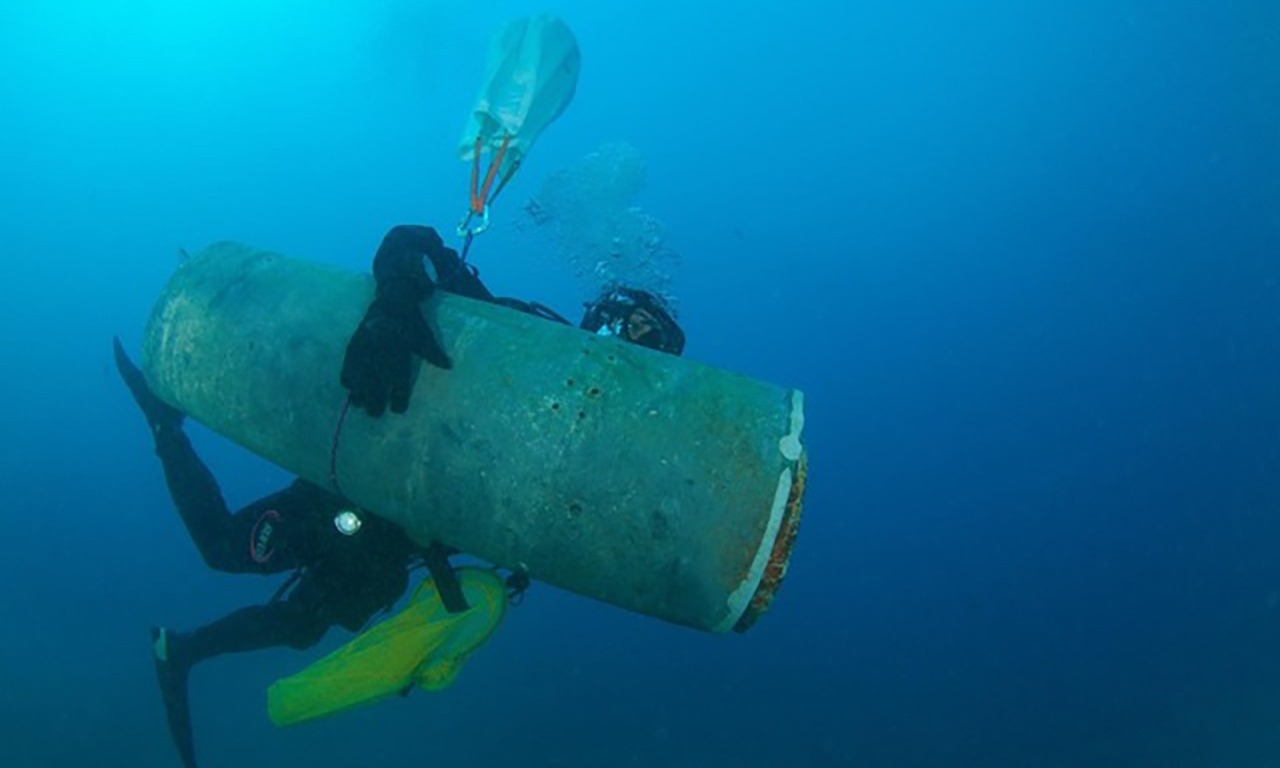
point(780, 555)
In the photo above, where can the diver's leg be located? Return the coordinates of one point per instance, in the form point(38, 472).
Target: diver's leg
point(192, 486)
point(278, 623)
point(195, 493)
point(172, 674)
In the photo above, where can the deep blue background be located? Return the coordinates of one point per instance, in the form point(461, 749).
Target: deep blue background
point(1024, 258)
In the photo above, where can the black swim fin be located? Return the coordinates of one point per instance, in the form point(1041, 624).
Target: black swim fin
point(160, 415)
point(172, 674)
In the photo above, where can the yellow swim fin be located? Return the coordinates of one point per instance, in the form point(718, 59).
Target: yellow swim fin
point(422, 645)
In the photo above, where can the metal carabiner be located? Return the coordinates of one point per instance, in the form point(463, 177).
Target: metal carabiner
point(464, 227)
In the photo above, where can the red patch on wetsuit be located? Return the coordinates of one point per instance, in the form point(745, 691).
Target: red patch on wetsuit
point(260, 547)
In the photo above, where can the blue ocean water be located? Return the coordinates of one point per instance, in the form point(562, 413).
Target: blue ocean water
point(1023, 258)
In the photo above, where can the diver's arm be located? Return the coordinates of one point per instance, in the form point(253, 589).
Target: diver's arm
point(397, 266)
point(401, 257)
point(379, 363)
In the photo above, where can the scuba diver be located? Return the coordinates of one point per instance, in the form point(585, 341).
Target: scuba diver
point(348, 566)
point(636, 316)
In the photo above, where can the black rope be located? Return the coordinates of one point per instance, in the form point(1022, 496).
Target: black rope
point(515, 165)
point(333, 447)
point(466, 244)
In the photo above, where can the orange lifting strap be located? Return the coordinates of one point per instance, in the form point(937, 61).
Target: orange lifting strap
point(480, 194)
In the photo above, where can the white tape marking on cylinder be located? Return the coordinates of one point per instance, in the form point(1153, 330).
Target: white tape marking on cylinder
point(791, 449)
point(789, 444)
point(741, 597)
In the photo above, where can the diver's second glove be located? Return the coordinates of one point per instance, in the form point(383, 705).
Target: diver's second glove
point(379, 364)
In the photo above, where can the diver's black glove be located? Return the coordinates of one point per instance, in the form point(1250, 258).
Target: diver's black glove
point(379, 364)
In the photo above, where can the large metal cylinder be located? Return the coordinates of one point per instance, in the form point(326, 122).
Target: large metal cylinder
point(651, 482)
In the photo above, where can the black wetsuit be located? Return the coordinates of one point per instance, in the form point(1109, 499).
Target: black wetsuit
point(344, 580)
